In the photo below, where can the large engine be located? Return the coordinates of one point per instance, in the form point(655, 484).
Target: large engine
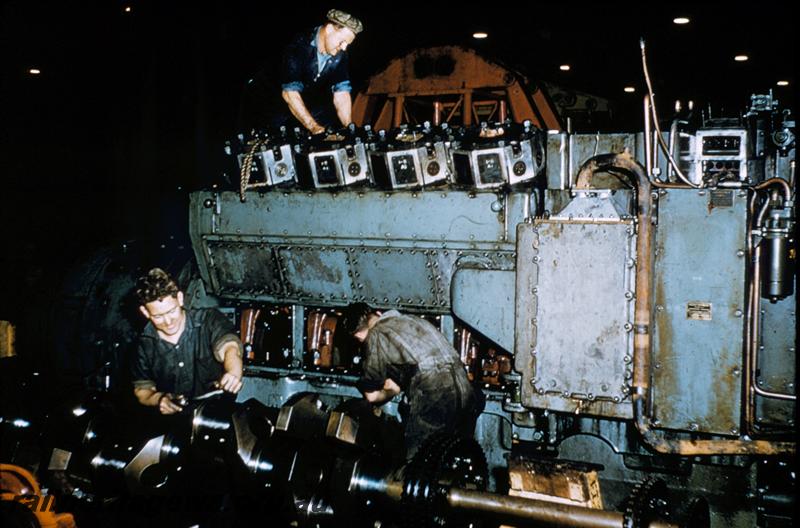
point(622, 304)
point(626, 302)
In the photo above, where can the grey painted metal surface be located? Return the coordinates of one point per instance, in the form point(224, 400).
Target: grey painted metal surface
point(389, 249)
point(699, 310)
point(574, 345)
point(484, 300)
point(777, 362)
point(567, 152)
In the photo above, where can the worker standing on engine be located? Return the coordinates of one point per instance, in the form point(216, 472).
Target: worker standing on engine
point(407, 354)
point(314, 74)
point(181, 352)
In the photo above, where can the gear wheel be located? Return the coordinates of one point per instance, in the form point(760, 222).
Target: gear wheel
point(443, 461)
point(647, 502)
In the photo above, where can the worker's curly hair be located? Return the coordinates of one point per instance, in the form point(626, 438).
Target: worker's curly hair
point(356, 317)
point(154, 286)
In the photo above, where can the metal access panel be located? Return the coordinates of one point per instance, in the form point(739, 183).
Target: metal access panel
point(317, 273)
point(398, 249)
point(575, 282)
point(777, 363)
point(699, 320)
point(236, 268)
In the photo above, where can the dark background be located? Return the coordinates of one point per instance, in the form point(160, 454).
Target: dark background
point(132, 109)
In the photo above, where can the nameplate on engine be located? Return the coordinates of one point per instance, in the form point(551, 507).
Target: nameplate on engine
point(698, 311)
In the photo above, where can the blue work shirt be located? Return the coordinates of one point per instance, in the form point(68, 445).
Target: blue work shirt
point(190, 366)
point(305, 67)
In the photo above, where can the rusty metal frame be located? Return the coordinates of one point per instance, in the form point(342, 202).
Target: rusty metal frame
point(472, 76)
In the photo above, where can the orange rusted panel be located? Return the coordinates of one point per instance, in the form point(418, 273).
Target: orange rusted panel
point(433, 78)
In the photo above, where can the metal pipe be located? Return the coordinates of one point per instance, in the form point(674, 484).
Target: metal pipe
point(526, 208)
point(648, 138)
point(504, 199)
point(661, 141)
point(754, 331)
point(543, 513)
point(749, 349)
point(642, 335)
point(654, 161)
point(754, 335)
point(662, 185)
point(787, 190)
point(673, 133)
point(437, 113)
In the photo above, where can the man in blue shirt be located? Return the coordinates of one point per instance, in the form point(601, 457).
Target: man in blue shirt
point(181, 351)
point(314, 74)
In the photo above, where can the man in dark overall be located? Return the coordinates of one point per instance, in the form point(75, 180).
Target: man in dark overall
point(314, 80)
point(407, 354)
point(181, 352)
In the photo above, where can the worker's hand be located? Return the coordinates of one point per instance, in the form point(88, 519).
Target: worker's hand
point(316, 128)
point(230, 383)
point(166, 405)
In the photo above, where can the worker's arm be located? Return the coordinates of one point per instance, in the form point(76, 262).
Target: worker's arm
point(344, 107)
point(231, 381)
point(390, 390)
point(299, 111)
point(150, 397)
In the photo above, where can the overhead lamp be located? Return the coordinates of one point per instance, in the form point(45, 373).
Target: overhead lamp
point(480, 35)
point(782, 83)
point(629, 89)
point(127, 9)
point(564, 67)
point(681, 20)
point(741, 58)
point(34, 71)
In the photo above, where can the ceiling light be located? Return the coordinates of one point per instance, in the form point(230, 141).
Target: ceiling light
point(629, 89)
point(127, 9)
point(479, 35)
point(741, 58)
point(782, 83)
point(680, 20)
point(564, 67)
point(34, 71)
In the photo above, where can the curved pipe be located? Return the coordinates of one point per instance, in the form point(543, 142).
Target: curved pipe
point(660, 138)
point(642, 341)
point(787, 190)
point(644, 254)
point(755, 311)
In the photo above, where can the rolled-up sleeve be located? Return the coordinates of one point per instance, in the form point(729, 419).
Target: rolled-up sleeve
point(343, 86)
point(294, 86)
point(221, 332)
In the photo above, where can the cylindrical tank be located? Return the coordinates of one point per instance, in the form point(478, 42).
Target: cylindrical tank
point(776, 257)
